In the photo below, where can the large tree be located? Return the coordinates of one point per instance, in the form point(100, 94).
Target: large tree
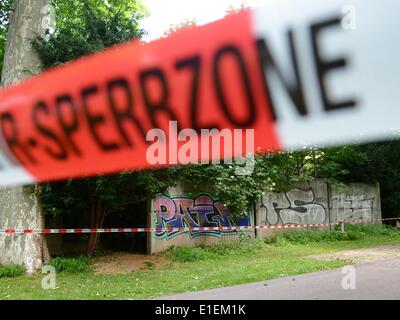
point(19, 206)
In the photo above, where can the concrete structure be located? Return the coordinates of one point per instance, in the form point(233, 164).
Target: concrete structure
point(180, 208)
point(305, 203)
point(309, 202)
point(355, 201)
point(183, 206)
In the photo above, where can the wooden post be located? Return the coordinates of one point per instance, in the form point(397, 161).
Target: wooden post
point(342, 230)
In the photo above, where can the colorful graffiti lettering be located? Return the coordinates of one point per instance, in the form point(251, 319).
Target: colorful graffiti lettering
point(199, 211)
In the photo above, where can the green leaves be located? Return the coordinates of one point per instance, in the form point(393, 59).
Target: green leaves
point(11, 270)
point(5, 10)
point(71, 265)
point(84, 27)
point(88, 26)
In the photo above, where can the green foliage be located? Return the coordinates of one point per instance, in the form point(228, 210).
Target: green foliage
point(71, 265)
point(5, 9)
point(373, 162)
point(87, 26)
point(113, 192)
point(217, 251)
point(306, 237)
point(270, 262)
point(365, 230)
point(11, 270)
point(149, 264)
point(353, 232)
point(189, 254)
point(273, 172)
point(84, 27)
point(381, 165)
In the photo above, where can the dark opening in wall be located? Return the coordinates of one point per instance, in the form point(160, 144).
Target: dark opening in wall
point(132, 215)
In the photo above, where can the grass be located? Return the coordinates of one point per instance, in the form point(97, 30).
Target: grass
point(353, 232)
point(11, 270)
point(71, 265)
point(191, 269)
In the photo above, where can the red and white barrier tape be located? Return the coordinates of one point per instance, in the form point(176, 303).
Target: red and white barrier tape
point(137, 230)
point(284, 70)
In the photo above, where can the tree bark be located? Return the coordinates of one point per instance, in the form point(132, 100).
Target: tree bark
point(19, 206)
point(97, 216)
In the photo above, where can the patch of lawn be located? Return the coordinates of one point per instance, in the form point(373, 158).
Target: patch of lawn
point(11, 270)
point(353, 232)
point(191, 269)
point(71, 265)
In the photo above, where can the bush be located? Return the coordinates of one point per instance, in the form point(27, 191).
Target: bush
point(71, 265)
point(183, 254)
point(11, 270)
point(216, 251)
point(376, 229)
point(353, 232)
point(314, 236)
point(359, 231)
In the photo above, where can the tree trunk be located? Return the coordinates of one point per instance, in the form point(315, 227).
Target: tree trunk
point(19, 206)
point(97, 216)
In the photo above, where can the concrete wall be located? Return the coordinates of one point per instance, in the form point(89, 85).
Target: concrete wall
point(316, 202)
point(308, 202)
point(305, 203)
point(356, 201)
point(180, 207)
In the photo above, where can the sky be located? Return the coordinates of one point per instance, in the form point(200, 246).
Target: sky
point(164, 13)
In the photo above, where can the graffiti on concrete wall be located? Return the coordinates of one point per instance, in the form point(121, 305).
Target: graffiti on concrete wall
point(296, 206)
point(200, 211)
point(353, 206)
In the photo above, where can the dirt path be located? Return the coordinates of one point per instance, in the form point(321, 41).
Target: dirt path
point(121, 262)
point(363, 255)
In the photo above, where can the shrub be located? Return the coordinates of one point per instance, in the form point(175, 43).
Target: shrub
point(71, 265)
point(373, 229)
point(216, 251)
point(307, 236)
point(353, 232)
point(183, 254)
point(11, 270)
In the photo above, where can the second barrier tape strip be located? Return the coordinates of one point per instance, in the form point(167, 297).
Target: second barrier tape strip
point(140, 230)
